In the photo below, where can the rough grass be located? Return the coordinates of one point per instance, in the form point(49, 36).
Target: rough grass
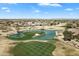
point(33, 49)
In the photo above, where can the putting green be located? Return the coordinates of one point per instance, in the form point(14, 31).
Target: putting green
point(33, 49)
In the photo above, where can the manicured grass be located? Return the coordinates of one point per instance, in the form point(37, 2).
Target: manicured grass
point(24, 35)
point(33, 49)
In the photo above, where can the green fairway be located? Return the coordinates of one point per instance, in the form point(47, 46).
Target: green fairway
point(33, 49)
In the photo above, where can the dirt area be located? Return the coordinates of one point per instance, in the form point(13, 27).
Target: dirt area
point(63, 49)
point(5, 45)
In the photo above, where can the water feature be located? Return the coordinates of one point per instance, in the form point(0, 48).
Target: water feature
point(49, 34)
point(46, 34)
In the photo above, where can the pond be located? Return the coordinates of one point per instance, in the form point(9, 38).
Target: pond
point(28, 35)
point(49, 34)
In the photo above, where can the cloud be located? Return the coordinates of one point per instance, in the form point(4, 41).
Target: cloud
point(12, 3)
point(50, 4)
point(77, 8)
point(37, 11)
point(69, 9)
point(6, 9)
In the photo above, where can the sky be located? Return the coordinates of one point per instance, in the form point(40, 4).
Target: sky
point(39, 10)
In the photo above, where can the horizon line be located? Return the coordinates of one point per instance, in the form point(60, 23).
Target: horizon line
point(38, 18)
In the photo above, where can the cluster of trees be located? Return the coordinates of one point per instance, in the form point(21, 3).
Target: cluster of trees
point(72, 25)
point(68, 36)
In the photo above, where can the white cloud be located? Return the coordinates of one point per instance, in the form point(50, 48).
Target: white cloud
point(5, 9)
point(50, 4)
point(69, 9)
point(11, 3)
point(37, 11)
point(43, 4)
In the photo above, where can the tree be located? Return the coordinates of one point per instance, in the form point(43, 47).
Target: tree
point(77, 24)
point(77, 37)
point(69, 26)
point(68, 35)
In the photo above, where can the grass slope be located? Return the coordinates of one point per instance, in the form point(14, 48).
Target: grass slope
point(33, 49)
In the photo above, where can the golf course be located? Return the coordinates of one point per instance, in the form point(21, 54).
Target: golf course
point(33, 48)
